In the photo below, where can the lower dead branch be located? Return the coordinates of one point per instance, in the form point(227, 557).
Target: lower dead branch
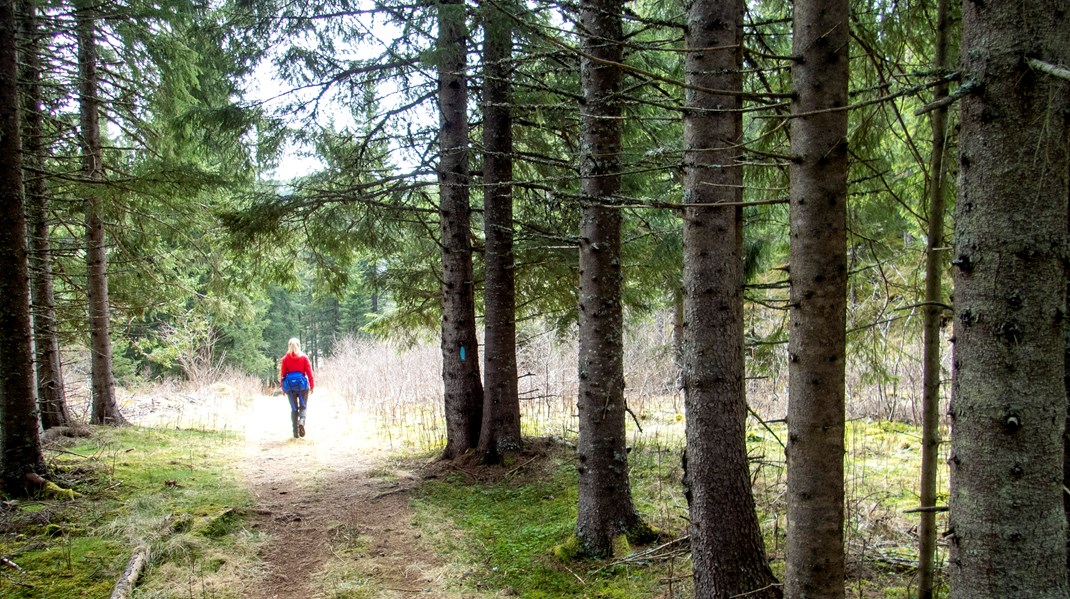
point(125, 586)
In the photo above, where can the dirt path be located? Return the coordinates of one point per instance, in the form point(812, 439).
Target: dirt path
point(333, 508)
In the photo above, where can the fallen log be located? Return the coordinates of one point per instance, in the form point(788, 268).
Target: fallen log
point(125, 586)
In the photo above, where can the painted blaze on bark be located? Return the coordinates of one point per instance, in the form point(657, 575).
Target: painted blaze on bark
point(1008, 404)
point(605, 501)
point(463, 390)
point(727, 550)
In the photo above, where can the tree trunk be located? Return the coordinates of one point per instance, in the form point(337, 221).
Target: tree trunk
point(20, 440)
point(501, 404)
point(605, 499)
point(933, 313)
point(105, 410)
point(727, 549)
point(815, 449)
point(1008, 405)
point(460, 347)
point(51, 396)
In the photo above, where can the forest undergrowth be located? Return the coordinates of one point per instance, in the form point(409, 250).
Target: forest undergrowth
point(171, 481)
point(883, 442)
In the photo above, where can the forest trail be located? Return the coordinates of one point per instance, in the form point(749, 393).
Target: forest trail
point(330, 502)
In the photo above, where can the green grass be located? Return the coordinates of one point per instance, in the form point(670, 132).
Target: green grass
point(505, 533)
point(173, 489)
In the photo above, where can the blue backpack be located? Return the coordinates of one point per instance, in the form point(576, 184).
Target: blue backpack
point(295, 381)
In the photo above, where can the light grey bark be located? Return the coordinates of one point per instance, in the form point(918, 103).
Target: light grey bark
point(1008, 406)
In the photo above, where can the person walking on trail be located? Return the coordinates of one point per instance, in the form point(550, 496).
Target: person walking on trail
point(295, 372)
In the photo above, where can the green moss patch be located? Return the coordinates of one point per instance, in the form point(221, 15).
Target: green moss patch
point(173, 489)
point(517, 534)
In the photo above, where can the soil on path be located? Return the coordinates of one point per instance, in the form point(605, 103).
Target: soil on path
point(332, 506)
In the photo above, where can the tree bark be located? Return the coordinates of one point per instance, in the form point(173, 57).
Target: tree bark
point(460, 346)
point(727, 550)
point(105, 410)
point(51, 396)
point(933, 314)
point(815, 449)
point(605, 499)
point(20, 440)
point(501, 403)
point(1008, 405)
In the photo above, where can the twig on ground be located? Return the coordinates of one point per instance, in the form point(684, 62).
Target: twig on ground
point(514, 470)
point(582, 581)
point(651, 553)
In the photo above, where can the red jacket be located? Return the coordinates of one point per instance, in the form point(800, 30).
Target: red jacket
point(295, 363)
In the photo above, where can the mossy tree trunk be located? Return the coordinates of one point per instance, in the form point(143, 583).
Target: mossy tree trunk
point(727, 550)
point(460, 347)
point(1008, 406)
point(20, 441)
point(816, 335)
point(501, 403)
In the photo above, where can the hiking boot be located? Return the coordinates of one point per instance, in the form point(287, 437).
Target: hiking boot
point(301, 430)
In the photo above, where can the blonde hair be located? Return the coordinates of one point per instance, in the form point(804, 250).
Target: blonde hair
point(294, 346)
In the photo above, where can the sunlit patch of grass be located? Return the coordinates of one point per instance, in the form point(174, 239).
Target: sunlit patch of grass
point(881, 471)
point(505, 534)
point(174, 490)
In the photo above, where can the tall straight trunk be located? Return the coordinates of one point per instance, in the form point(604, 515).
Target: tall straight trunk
point(501, 403)
point(460, 346)
point(1066, 422)
point(105, 410)
point(934, 268)
point(51, 397)
point(20, 441)
point(727, 550)
point(816, 338)
point(605, 499)
point(1008, 403)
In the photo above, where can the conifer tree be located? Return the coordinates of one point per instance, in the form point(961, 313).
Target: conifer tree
point(460, 347)
point(500, 431)
point(51, 395)
point(605, 510)
point(817, 331)
point(727, 550)
point(105, 408)
point(1008, 405)
point(20, 443)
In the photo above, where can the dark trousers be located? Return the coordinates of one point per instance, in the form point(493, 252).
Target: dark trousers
point(298, 403)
